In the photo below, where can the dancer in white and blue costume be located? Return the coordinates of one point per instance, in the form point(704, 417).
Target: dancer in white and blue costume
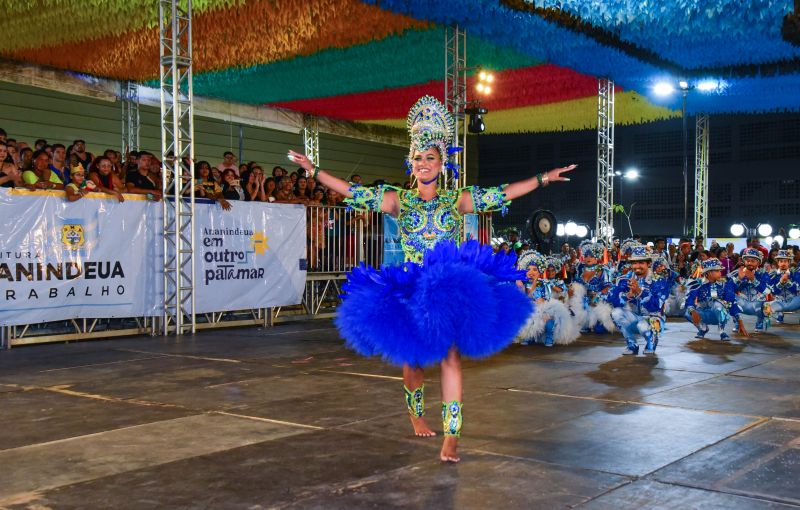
point(712, 303)
point(750, 285)
point(551, 321)
point(592, 282)
point(624, 263)
point(785, 284)
point(638, 303)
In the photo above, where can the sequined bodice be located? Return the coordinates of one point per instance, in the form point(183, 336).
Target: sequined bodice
point(423, 223)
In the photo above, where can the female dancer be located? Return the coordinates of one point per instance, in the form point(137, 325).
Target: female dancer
point(414, 315)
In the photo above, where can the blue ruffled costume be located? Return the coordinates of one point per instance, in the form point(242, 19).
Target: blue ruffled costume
point(463, 296)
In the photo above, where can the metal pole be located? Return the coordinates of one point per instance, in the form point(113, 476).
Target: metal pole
point(455, 94)
point(604, 218)
point(241, 144)
point(177, 135)
point(685, 167)
point(701, 176)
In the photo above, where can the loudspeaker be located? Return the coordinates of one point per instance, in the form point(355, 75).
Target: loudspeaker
point(542, 226)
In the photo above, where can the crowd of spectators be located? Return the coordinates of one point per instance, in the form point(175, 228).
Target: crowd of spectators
point(54, 166)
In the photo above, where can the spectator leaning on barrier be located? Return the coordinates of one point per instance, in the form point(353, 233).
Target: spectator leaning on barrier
point(4, 156)
point(104, 178)
point(25, 159)
point(269, 189)
point(59, 164)
point(79, 186)
point(10, 175)
point(140, 182)
point(206, 187)
point(41, 177)
point(255, 185)
point(231, 186)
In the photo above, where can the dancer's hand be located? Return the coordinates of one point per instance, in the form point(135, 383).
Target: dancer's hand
point(302, 160)
point(554, 175)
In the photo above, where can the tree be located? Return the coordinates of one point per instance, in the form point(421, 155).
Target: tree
point(619, 208)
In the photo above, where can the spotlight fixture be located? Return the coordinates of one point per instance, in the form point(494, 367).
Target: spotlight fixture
point(485, 78)
point(582, 231)
point(778, 239)
point(663, 89)
point(683, 84)
point(560, 230)
point(708, 85)
point(632, 174)
point(764, 230)
point(476, 124)
point(571, 228)
point(738, 229)
point(794, 233)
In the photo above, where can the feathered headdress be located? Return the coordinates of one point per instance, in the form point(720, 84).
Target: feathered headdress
point(431, 125)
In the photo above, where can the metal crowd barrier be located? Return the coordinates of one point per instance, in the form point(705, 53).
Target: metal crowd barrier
point(337, 240)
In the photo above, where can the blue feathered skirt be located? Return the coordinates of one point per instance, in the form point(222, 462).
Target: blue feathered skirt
point(463, 296)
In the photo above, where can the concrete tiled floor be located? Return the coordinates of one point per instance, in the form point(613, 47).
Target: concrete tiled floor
point(288, 418)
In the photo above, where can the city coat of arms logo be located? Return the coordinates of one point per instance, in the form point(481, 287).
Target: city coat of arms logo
point(72, 236)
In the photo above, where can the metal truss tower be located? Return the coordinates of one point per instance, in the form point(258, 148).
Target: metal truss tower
point(455, 95)
point(311, 138)
point(701, 176)
point(129, 98)
point(604, 224)
point(177, 156)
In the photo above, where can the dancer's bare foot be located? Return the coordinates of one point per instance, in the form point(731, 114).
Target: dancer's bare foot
point(449, 447)
point(421, 429)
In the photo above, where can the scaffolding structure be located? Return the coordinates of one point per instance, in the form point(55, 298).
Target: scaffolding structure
point(311, 138)
point(701, 176)
point(177, 156)
point(604, 223)
point(129, 98)
point(455, 96)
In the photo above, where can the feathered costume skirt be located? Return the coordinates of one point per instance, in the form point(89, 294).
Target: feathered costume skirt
point(463, 296)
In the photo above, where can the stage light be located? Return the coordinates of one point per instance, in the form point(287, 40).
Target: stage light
point(768, 240)
point(571, 228)
point(663, 88)
point(778, 239)
point(582, 231)
point(738, 229)
point(560, 230)
point(479, 87)
point(489, 78)
point(487, 90)
point(794, 233)
point(765, 229)
point(482, 75)
point(683, 84)
point(476, 124)
point(617, 173)
point(708, 85)
point(632, 174)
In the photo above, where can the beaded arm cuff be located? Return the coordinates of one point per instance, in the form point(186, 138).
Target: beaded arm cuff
point(489, 199)
point(367, 198)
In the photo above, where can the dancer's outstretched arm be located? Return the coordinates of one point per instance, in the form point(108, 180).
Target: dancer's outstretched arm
point(389, 204)
point(519, 188)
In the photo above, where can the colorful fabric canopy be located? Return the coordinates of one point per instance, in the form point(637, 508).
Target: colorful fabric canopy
point(369, 60)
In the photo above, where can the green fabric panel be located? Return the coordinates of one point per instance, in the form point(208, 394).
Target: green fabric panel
point(412, 58)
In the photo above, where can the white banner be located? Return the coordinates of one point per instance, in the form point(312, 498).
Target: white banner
point(94, 257)
point(98, 258)
point(252, 256)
